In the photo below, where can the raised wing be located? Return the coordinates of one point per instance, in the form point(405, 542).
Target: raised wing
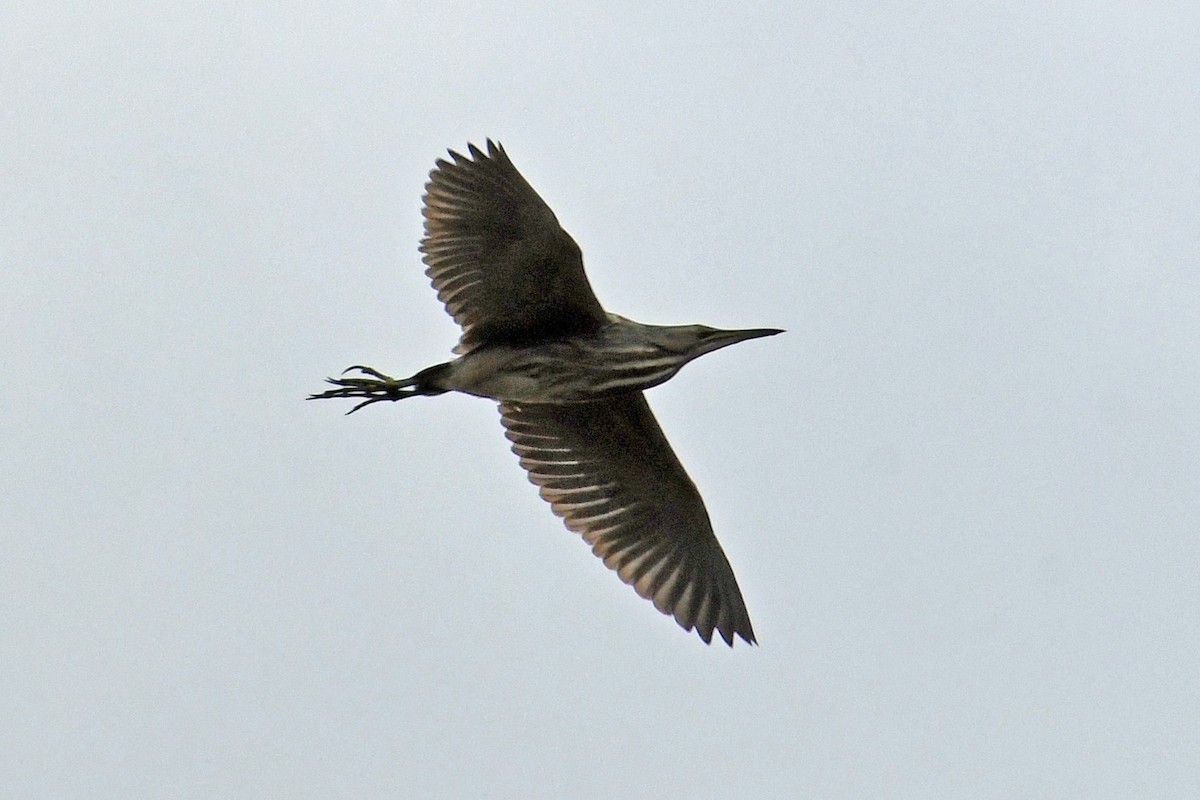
point(500, 262)
point(607, 470)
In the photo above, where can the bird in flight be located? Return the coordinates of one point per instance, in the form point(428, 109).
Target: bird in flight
point(569, 378)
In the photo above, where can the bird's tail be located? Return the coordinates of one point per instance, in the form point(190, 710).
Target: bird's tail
point(429, 381)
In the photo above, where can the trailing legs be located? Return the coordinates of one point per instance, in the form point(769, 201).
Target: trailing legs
point(377, 386)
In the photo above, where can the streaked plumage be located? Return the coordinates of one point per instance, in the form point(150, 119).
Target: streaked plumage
point(569, 379)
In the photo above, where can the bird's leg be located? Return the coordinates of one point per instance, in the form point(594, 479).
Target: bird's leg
point(372, 389)
point(374, 373)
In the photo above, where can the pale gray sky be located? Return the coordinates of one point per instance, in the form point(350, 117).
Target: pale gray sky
point(960, 494)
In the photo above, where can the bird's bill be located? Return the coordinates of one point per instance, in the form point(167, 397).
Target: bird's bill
point(719, 338)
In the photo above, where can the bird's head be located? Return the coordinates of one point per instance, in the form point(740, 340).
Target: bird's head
point(693, 341)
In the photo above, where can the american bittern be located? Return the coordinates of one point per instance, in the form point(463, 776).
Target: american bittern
point(569, 379)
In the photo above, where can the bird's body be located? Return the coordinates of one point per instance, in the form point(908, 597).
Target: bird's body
point(568, 377)
point(622, 356)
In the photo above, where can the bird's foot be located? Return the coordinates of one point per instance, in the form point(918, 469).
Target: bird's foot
point(372, 389)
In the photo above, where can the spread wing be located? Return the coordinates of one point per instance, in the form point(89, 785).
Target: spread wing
point(500, 262)
point(607, 470)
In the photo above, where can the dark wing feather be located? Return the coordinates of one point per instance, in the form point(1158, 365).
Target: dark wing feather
point(505, 269)
point(607, 470)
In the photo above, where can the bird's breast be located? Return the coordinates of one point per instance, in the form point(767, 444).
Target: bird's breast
point(560, 372)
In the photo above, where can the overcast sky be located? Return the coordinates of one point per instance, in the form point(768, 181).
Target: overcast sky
point(960, 493)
